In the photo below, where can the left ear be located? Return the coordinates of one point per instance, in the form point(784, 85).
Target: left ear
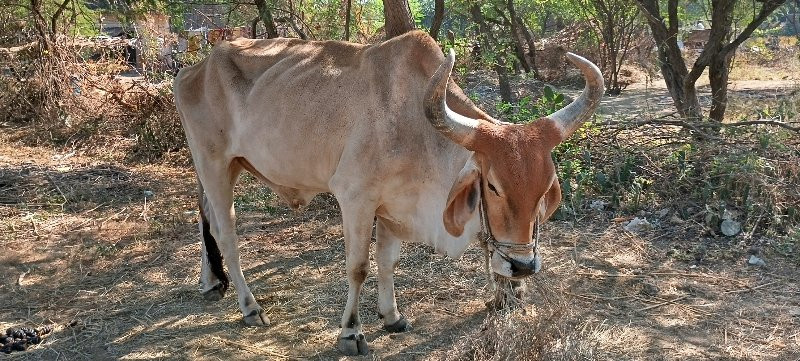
point(463, 199)
point(551, 200)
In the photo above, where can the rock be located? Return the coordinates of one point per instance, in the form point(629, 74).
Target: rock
point(598, 205)
point(662, 213)
point(755, 261)
point(637, 225)
point(730, 227)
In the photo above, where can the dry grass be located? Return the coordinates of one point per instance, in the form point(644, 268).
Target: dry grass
point(123, 271)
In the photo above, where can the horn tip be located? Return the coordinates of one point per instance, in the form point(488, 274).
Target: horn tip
point(575, 58)
point(587, 67)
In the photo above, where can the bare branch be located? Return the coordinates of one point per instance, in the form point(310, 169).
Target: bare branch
point(55, 17)
point(777, 123)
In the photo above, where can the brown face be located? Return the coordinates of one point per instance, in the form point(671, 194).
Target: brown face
point(515, 175)
point(519, 187)
point(517, 171)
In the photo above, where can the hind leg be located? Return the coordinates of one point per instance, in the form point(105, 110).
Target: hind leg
point(212, 287)
point(218, 180)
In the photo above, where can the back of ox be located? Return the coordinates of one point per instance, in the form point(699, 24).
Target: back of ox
point(390, 135)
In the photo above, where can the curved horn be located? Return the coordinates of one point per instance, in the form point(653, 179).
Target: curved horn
point(457, 127)
point(569, 118)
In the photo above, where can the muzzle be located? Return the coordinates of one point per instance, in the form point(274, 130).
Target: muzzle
point(514, 260)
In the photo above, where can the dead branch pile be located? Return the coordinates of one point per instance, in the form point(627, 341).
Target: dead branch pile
point(550, 51)
point(70, 94)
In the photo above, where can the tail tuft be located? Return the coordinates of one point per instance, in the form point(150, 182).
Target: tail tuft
point(212, 252)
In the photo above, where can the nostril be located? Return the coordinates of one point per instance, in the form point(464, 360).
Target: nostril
point(519, 269)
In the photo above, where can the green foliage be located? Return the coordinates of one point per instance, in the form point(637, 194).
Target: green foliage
point(527, 110)
point(587, 171)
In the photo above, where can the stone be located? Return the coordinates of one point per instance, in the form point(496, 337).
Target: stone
point(598, 205)
point(730, 227)
point(637, 225)
point(755, 261)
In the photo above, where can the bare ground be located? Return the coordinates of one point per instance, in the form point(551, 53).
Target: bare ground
point(108, 252)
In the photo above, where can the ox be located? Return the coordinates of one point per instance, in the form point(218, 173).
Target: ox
point(385, 130)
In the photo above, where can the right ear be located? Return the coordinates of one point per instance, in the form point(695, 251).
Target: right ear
point(463, 199)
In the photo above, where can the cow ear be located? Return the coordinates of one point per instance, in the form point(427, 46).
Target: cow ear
point(463, 200)
point(552, 199)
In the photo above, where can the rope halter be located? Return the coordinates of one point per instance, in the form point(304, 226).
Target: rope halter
point(490, 244)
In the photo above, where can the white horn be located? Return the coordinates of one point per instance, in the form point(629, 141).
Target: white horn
point(569, 118)
point(457, 127)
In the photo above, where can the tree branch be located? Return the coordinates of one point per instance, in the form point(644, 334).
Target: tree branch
point(777, 123)
point(54, 19)
point(766, 8)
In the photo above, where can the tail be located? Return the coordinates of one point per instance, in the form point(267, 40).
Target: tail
point(213, 254)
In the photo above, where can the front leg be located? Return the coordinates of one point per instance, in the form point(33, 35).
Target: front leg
point(386, 255)
point(357, 236)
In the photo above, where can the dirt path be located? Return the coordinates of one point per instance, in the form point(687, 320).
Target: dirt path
point(108, 252)
point(641, 99)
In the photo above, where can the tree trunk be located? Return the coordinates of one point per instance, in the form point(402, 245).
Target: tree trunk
point(613, 21)
point(670, 59)
point(545, 19)
point(397, 15)
point(716, 54)
point(438, 17)
point(517, 37)
point(347, 20)
point(718, 77)
point(499, 65)
point(265, 13)
point(40, 25)
point(54, 19)
point(522, 29)
point(254, 27)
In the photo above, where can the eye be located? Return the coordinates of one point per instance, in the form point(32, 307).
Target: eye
point(493, 189)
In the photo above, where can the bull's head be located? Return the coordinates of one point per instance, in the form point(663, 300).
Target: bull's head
point(511, 173)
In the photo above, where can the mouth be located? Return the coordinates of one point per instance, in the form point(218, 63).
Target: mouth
point(516, 266)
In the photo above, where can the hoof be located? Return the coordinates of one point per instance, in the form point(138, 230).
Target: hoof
point(353, 345)
point(402, 325)
point(256, 318)
point(215, 294)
